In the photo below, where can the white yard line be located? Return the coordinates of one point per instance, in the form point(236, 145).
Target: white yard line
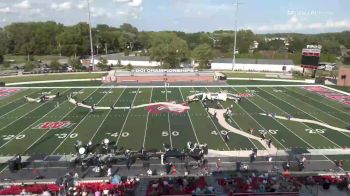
point(237, 123)
point(40, 105)
point(262, 127)
point(320, 111)
point(297, 109)
point(325, 98)
point(169, 127)
point(99, 127)
point(336, 90)
point(189, 117)
point(144, 137)
point(30, 126)
point(218, 131)
point(324, 112)
point(126, 119)
point(43, 135)
point(82, 120)
point(17, 99)
point(283, 124)
point(292, 131)
point(16, 107)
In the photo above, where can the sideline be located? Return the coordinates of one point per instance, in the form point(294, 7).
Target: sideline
point(52, 81)
point(307, 81)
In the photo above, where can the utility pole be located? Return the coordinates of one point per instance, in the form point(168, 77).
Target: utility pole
point(106, 49)
point(235, 44)
point(214, 40)
point(91, 46)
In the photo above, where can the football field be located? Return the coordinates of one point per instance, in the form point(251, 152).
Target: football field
point(301, 118)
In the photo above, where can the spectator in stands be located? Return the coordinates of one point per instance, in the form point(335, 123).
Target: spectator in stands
point(218, 164)
point(97, 193)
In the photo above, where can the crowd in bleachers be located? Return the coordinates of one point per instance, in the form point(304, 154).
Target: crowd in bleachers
point(258, 183)
point(110, 188)
point(180, 186)
point(242, 183)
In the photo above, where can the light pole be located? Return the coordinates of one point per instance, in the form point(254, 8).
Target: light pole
point(106, 49)
point(235, 44)
point(91, 46)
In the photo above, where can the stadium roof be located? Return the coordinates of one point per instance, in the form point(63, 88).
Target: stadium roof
point(255, 61)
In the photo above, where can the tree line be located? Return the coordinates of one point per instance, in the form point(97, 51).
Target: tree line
point(169, 47)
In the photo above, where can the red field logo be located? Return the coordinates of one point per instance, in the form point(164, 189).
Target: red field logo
point(54, 125)
point(245, 95)
point(4, 92)
point(173, 108)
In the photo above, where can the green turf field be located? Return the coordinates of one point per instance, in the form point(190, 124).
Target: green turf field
point(22, 127)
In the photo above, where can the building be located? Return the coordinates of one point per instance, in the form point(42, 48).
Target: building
point(120, 59)
point(135, 61)
point(259, 65)
point(344, 76)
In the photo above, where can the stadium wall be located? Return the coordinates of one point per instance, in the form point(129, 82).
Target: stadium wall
point(169, 79)
point(253, 67)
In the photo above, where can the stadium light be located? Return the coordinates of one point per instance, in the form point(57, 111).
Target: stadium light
point(235, 43)
point(91, 45)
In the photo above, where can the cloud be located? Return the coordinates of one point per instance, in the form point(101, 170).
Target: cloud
point(6, 10)
point(295, 24)
point(23, 5)
point(82, 5)
point(135, 3)
point(121, 1)
point(100, 12)
point(131, 3)
point(62, 6)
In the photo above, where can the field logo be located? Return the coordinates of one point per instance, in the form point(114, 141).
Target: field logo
point(4, 92)
point(173, 108)
point(246, 95)
point(54, 125)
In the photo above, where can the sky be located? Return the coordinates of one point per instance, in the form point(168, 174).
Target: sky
point(261, 16)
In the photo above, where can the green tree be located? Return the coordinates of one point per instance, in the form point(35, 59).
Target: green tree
point(55, 65)
point(169, 49)
point(28, 66)
point(102, 64)
point(203, 53)
point(129, 67)
point(75, 63)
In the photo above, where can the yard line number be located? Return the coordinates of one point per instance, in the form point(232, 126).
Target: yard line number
point(65, 135)
point(173, 133)
point(315, 131)
point(251, 91)
point(135, 92)
point(278, 91)
point(10, 137)
point(223, 132)
point(271, 131)
point(116, 134)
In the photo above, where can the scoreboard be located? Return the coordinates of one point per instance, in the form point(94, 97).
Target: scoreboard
point(310, 58)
